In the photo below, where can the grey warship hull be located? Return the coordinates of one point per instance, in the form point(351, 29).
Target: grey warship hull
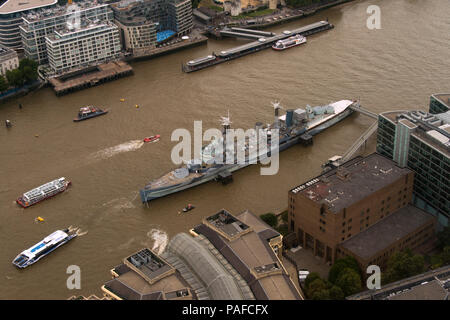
point(148, 194)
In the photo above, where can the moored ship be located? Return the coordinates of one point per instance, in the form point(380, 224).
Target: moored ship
point(289, 42)
point(43, 192)
point(294, 127)
point(89, 112)
point(43, 248)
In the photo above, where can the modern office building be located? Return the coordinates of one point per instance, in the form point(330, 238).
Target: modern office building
point(146, 23)
point(91, 44)
point(40, 24)
point(9, 60)
point(226, 258)
point(406, 228)
point(420, 141)
point(431, 285)
point(11, 12)
point(343, 202)
point(440, 103)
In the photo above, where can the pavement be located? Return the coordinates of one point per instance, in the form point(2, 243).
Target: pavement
point(305, 259)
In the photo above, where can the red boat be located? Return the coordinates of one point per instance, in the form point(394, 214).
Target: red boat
point(152, 138)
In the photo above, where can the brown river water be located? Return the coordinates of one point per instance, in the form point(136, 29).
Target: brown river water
point(396, 67)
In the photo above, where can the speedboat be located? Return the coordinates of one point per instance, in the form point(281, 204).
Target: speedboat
point(152, 138)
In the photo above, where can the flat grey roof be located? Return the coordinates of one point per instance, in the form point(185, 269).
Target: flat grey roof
point(12, 6)
point(429, 291)
point(337, 192)
point(387, 231)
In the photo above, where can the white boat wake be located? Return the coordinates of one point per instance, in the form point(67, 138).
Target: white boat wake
point(132, 145)
point(160, 240)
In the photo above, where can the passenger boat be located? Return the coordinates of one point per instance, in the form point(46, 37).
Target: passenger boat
point(289, 42)
point(88, 113)
point(43, 192)
point(152, 138)
point(43, 248)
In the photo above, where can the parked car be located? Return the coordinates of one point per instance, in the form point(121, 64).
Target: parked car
point(302, 274)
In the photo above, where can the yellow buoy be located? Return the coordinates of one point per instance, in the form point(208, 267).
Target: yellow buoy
point(40, 219)
point(36, 135)
point(122, 100)
point(137, 106)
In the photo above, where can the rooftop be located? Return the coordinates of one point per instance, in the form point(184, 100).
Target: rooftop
point(146, 276)
point(387, 231)
point(427, 291)
point(340, 188)
point(48, 13)
point(243, 241)
point(434, 129)
point(13, 6)
point(4, 52)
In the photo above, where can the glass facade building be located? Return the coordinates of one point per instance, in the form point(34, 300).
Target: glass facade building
point(439, 103)
point(420, 141)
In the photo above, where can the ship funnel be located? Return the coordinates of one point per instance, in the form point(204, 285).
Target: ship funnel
point(289, 117)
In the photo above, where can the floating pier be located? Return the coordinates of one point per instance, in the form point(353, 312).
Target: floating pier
point(252, 47)
point(89, 77)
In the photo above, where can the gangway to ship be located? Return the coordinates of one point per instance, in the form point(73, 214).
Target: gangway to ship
point(336, 161)
point(251, 31)
point(230, 33)
point(357, 107)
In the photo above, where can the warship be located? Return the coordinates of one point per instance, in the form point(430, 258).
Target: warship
point(295, 126)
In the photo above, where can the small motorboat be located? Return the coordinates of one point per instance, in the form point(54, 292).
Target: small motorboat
point(152, 138)
point(8, 123)
point(89, 112)
point(188, 208)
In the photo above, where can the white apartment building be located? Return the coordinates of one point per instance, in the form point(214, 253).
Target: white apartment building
point(91, 44)
point(40, 24)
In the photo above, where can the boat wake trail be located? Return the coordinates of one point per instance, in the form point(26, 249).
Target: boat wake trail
point(132, 145)
point(77, 231)
point(160, 240)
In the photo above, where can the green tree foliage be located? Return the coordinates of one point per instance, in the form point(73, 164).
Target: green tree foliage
point(336, 293)
point(284, 216)
point(402, 265)
point(270, 218)
point(28, 68)
point(349, 281)
point(340, 265)
point(310, 278)
point(15, 77)
point(3, 84)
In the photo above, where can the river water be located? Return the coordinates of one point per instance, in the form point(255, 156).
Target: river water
point(396, 67)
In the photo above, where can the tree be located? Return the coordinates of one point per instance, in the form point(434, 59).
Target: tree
point(349, 281)
point(28, 69)
point(270, 219)
point(310, 278)
point(3, 83)
point(336, 293)
point(316, 288)
point(340, 265)
point(15, 77)
point(403, 264)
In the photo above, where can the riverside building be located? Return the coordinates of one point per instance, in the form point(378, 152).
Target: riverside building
point(146, 23)
point(440, 103)
point(421, 141)
point(91, 44)
point(38, 25)
point(347, 210)
point(9, 60)
point(11, 12)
